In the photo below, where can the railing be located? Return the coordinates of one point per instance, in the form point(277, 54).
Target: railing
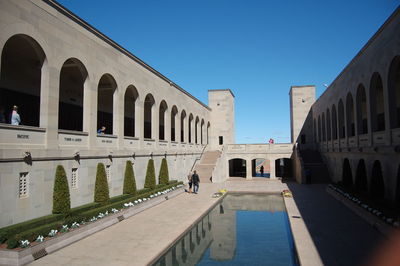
point(261, 148)
point(198, 158)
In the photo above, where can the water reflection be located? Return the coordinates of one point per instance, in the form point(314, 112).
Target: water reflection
point(220, 237)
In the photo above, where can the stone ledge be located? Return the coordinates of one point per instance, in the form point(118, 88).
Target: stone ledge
point(24, 256)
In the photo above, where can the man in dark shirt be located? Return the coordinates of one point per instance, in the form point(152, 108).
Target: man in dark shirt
point(196, 181)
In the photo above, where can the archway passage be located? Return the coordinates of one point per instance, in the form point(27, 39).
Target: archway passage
point(161, 121)
point(174, 113)
point(105, 102)
point(201, 131)
point(377, 103)
point(394, 92)
point(130, 98)
point(342, 128)
point(190, 128)
point(237, 168)
point(22, 59)
point(72, 79)
point(283, 167)
point(347, 176)
point(148, 106)
point(377, 183)
point(334, 123)
point(196, 126)
point(362, 115)
point(350, 116)
point(183, 117)
point(361, 183)
point(260, 167)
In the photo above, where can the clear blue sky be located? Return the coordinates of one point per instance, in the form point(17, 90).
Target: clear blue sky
point(256, 48)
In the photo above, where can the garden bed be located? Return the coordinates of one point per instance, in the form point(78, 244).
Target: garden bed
point(103, 219)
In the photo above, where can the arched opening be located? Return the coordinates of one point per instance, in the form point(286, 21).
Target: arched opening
point(315, 131)
point(130, 98)
point(361, 183)
point(394, 92)
point(174, 112)
point(334, 123)
point(161, 121)
point(342, 129)
point(183, 117)
point(22, 59)
point(323, 127)
point(319, 129)
point(260, 167)
point(377, 184)
point(72, 79)
point(347, 176)
point(377, 103)
point(362, 115)
point(350, 116)
point(105, 103)
point(237, 168)
point(190, 127)
point(283, 167)
point(196, 126)
point(208, 131)
point(148, 106)
point(201, 131)
point(328, 124)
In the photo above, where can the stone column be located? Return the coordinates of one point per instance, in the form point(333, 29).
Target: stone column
point(118, 116)
point(139, 121)
point(90, 112)
point(178, 128)
point(249, 174)
point(155, 110)
point(167, 125)
point(272, 168)
point(49, 100)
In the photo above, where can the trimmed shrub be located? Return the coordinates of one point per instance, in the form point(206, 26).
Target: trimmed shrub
point(61, 197)
point(163, 177)
point(3, 237)
point(12, 243)
point(129, 180)
point(101, 192)
point(150, 181)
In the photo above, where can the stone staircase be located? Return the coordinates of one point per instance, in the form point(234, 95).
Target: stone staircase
point(206, 165)
point(312, 160)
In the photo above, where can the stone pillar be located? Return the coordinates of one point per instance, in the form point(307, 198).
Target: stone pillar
point(49, 96)
point(155, 121)
point(178, 128)
point(186, 129)
point(272, 168)
point(139, 113)
point(89, 111)
point(249, 174)
point(167, 124)
point(118, 116)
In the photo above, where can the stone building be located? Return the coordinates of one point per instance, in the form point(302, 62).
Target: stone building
point(355, 123)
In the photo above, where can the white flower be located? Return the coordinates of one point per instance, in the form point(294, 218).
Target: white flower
point(136, 202)
point(159, 193)
point(101, 215)
point(114, 210)
point(106, 213)
point(139, 200)
point(93, 219)
point(144, 199)
point(40, 239)
point(24, 243)
point(64, 228)
point(75, 225)
point(53, 232)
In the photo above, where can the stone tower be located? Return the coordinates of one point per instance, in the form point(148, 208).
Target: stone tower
point(301, 100)
point(222, 118)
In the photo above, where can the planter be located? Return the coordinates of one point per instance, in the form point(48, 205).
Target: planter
point(23, 256)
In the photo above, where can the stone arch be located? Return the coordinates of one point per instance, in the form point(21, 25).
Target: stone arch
point(105, 102)
point(328, 125)
point(362, 114)
point(208, 132)
point(361, 183)
point(334, 123)
point(73, 76)
point(174, 113)
point(237, 167)
point(257, 171)
point(190, 128)
point(350, 120)
point(377, 105)
point(161, 120)
point(377, 186)
point(183, 117)
point(22, 61)
point(283, 167)
point(347, 176)
point(130, 99)
point(319, 129)
point(342, 128)
point(149, 104)
point(323, 127)
point(201, 131)
point(196, 126)
point(394, 92)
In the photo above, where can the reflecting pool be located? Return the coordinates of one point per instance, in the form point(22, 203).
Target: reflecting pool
point(243, 229)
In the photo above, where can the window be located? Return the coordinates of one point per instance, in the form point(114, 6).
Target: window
point(74, 178)
point(108, 172)
point(23, 184)
point(221, 140)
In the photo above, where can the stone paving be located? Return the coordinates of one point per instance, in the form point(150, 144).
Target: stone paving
point(340, 236)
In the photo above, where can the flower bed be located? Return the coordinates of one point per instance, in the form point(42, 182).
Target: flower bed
point(24, 233)
point(375, 212)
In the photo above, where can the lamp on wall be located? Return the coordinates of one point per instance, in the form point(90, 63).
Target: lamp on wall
point(77, 156)
point(27, 157)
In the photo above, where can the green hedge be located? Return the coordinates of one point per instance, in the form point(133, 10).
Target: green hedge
point(150, 181)
point(43, 230)
point(101, 191)
point(163, 176)
point(129, 180)
point(61, 197)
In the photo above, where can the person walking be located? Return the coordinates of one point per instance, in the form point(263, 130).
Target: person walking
point(262, 170)
point(190, 183)
point(15, 118)
point(196, 181)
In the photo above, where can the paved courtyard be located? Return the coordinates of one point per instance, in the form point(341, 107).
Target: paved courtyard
point(340, 236)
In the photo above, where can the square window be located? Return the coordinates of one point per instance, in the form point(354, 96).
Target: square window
point(74, 178)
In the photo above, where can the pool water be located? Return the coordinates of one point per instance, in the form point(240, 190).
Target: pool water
point(243, 229)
